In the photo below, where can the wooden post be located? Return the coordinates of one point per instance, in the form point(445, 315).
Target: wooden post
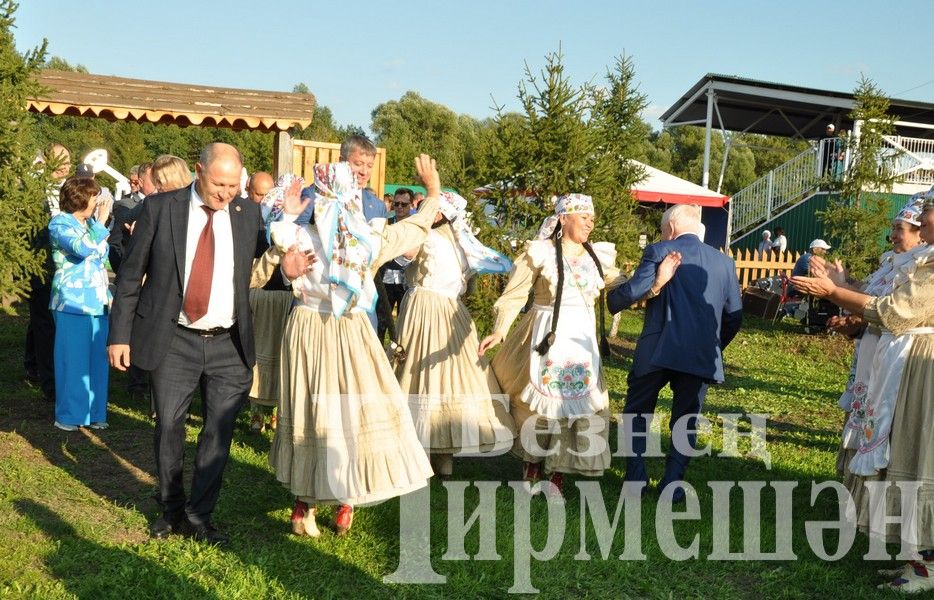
point(282, 154)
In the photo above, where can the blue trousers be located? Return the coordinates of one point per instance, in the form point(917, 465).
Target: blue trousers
point(81, 368)
point(689, 392)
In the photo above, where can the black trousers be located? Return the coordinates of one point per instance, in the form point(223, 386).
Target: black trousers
point(215, 365)
point(394, 294)
point(38, 354)
point(688, 393)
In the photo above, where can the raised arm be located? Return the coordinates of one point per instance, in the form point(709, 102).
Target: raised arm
point(80, 243)
point(409, 233)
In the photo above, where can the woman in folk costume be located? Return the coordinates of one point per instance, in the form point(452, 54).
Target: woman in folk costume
point(455, 401)
point(879, 359)
point(907, 310)
point(344, 434)
point(550, 364)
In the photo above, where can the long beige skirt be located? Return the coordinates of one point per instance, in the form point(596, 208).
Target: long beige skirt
point(579, 446)
point(911, 457)
point(455, 401)
point(270, 314)
point(345, 434)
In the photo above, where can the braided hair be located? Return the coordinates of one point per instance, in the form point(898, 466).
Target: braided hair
point(549, 339)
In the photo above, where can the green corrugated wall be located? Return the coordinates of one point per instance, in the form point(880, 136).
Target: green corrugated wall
point(802, 224)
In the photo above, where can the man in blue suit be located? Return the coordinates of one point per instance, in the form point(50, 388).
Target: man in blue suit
point(690, 318)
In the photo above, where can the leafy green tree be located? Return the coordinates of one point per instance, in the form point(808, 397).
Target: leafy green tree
point(857, 218)
point(413, 124)
point(687, 159)
point(23, 185)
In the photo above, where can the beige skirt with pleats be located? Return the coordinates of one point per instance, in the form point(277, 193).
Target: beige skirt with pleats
point(455, 401)
point(345, 434)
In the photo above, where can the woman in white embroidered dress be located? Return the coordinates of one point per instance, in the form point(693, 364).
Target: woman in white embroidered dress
point(345, 435)
point(455, 401)
point(880, 356)
point(550, 363)
point(908, 310)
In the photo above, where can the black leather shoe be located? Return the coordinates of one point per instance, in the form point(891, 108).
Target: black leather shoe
point(205, 532)
point(163, 527)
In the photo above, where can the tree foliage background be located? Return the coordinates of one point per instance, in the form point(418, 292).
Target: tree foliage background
point(857, 219)
point(23, 184)
point(570, 138)
point(565, 136)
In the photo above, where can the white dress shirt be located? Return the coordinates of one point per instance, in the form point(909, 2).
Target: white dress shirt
point(221, 306)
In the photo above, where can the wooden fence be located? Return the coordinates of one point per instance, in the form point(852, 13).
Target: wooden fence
point(305, 153)
point(749, 267)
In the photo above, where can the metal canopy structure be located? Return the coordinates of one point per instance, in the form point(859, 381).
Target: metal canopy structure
point(751, 106)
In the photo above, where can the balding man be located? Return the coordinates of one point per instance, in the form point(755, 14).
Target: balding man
point(259, 185)
point(689, 320)
point(182, 312)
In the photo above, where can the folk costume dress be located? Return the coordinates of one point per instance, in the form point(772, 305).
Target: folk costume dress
point(907, 311)
point(562, 392)
point(456, 403)
point(344, 434)
point(877, 369)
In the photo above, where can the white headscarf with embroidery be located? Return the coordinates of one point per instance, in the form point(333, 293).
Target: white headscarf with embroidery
point(342, 228)
point(344, 234)
point(481, 259)
point(568, 204)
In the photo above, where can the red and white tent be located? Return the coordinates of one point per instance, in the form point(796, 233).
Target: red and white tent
point(659, 186)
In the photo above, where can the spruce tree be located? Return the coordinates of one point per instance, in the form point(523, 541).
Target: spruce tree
point(23, 183)
point(857, 219)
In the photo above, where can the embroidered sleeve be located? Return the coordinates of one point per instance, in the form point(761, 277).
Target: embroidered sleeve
point(909, 305)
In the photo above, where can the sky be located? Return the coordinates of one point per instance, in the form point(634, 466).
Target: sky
point(471, 56)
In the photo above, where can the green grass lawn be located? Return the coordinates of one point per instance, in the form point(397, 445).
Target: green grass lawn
point(74, 507)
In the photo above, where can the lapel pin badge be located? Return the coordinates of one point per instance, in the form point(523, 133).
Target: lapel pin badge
point(237, 208)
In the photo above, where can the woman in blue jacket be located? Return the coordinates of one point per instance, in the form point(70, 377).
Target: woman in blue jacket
point(80, 303)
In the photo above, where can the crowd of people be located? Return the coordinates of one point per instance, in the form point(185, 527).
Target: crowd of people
point(283, 293)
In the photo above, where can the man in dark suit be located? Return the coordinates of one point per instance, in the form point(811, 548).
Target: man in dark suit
point(693, 312)
point(182, 312)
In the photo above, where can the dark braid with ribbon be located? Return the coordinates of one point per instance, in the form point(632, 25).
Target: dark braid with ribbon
point(549, 339)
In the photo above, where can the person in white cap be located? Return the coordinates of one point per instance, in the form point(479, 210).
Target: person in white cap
point(817, 248)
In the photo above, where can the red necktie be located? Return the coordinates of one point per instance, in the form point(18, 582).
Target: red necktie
point(202, 272)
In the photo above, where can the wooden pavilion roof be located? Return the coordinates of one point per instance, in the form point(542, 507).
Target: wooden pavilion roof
point(122, 99)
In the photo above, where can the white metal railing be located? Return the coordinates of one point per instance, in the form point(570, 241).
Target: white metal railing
point(907, 160)
point(910, 160)
point(787, 183)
